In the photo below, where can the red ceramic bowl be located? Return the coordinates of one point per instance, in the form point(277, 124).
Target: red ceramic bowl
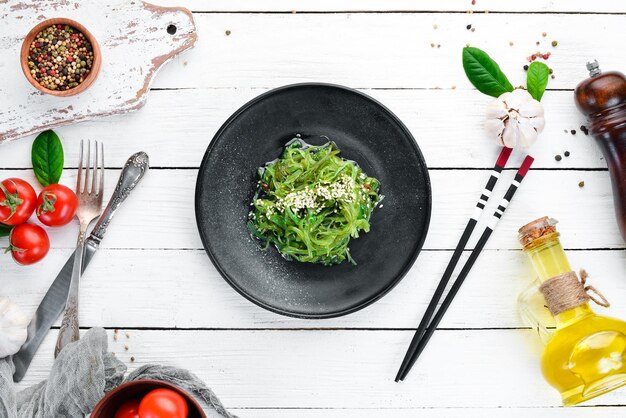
point(108, 406)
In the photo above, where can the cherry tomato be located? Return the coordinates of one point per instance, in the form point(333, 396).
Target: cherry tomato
point(56, 205)
point(29, 244)
point(17, 201)
point(129, 409)
point(163, 403)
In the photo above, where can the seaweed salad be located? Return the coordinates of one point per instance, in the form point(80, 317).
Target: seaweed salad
point(310, 202)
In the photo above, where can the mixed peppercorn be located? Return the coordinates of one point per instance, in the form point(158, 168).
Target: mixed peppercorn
point(60, 57)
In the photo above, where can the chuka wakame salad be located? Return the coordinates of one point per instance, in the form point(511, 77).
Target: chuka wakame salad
point(310, 202)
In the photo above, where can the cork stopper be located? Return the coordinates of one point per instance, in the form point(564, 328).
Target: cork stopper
point(536, 230)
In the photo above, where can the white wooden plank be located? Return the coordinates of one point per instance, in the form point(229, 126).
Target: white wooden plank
point(176, 126)
point(606, 6)
point(387, 50)
point(150, 219)
point(181, 289)
point(347, 369)
point(544, 412)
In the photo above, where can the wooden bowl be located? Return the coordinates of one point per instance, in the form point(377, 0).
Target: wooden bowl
point(97, 57)
point(108, 406)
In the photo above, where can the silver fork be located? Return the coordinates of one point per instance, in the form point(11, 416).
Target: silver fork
point(89, 190)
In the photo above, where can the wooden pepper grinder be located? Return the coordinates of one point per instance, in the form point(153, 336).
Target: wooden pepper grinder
point(602, 98)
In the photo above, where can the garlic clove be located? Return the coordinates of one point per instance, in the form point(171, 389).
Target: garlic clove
point(538, 123)
point(496, 109)
point(527, 133)
point(495, 128)
point(510, 134)
point(531, 109)
point(516, 98)
point(13, 327)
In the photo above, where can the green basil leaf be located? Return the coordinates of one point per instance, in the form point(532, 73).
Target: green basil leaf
point(484, 73)
point(5, 230)
point(537, 79)
point(47, 157)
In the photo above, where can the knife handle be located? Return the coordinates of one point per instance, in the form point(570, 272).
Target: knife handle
point(133, 171)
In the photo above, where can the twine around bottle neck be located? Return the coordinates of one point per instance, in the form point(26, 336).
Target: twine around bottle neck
point(566, 291)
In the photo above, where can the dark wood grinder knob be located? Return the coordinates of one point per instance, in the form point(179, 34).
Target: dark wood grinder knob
point(602, 98)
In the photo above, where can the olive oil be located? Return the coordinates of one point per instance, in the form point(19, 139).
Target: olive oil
point(585, 356)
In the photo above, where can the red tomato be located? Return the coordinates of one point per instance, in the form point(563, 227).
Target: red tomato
point(163, 403)
point(56, 205)
point(29, 243)
point(129, 409)
point(17, 201)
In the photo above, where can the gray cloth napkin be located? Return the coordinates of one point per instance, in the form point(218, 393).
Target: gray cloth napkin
point(80, 377)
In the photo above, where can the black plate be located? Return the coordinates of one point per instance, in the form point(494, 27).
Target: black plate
point(366, 132)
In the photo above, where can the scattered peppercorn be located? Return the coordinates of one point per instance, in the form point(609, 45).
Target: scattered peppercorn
point(573, 131)
point(473, 30)
point(473, 2)
point(132, 359)
point(550, 70)
point(566, 153)
point(435, 26)
point(438, 45)
point(510, 43)
point(555, 43)
point(584, 129)
point(60, 57)
point(468, 27)
point(552, 76)
point(581, 184)
point(537, 43)
point(544, 34)
point(228, 33)
point(557, 157)
point(115, 337)
point(126, 348)
point(538, 54)
point(525, 67)
point(565, 130)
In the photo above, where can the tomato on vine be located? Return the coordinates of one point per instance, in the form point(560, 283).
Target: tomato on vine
point(17, 201)
point(56, 205)
point(29, 244)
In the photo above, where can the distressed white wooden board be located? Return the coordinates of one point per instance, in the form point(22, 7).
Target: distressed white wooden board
point(182, 289)
point(544, 412)
point(160, 213)
point(587, 6)
point(176, 126)
point(388, 50)
point(347, 369)
point(134, 43)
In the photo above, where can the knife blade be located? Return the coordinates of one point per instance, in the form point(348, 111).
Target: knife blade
point(53, 302)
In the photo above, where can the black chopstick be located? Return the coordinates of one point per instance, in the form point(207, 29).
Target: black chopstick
point(469, 228)
point(421, 344)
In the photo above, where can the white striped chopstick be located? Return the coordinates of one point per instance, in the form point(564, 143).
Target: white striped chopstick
point(428, 326)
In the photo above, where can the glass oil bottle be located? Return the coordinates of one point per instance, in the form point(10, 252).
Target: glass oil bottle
point(585, 356)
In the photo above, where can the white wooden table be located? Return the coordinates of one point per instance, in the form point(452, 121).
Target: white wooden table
point(153, 280)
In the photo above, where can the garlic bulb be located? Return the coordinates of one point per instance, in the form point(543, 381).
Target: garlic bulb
point(13, 324)
point(515, 119)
